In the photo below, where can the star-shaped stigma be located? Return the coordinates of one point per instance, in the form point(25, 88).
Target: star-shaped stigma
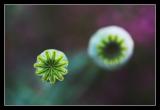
point(112, 49)
point(51, 65)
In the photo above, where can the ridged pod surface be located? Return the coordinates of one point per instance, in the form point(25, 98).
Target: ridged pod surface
point(51, 65)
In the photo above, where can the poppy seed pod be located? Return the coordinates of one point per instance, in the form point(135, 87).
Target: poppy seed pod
point(51, 65)
point(111, 47)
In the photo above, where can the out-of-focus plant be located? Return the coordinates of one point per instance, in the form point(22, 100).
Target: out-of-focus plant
point(111, 47)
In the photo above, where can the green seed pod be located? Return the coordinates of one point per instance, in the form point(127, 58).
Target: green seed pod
point(51, 65)
point(111, 47)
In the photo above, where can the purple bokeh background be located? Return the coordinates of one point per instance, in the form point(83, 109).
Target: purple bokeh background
point(31, 29)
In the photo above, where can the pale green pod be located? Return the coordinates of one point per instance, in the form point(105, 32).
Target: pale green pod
point(111, 47)
point(51, 65)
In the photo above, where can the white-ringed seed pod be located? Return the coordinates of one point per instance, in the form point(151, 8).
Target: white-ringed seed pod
point(111, 47)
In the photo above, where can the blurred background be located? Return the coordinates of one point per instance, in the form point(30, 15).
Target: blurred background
point(31, 29)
